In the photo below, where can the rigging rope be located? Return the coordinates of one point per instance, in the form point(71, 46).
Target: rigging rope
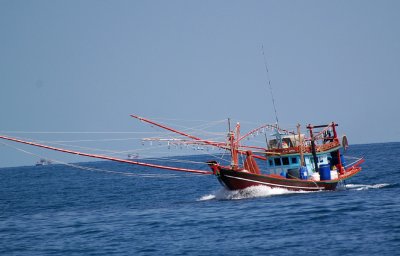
point(269, 83)
point(64, 132)
point(199, 128)
point(90, 168)
point(122, 152)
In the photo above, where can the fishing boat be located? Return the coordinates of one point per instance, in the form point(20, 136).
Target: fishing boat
point(291, 160)
point(43, 161)
point(133, 156)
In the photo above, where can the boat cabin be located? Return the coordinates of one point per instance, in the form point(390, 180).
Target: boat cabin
point(284, 141)
point(290, 154)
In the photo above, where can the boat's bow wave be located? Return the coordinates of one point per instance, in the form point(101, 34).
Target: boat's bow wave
point(250, 192)
point(366, 187)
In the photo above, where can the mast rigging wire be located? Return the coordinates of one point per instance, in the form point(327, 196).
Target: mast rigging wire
point(270, 86)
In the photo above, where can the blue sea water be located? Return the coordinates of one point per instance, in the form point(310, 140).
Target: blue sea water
point(61, 210)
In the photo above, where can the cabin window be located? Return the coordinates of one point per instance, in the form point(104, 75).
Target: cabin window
point(273, 143)
point(285, 161)
point(294, 160)
point(277, 161)
point(288, 142)
point(271, 163)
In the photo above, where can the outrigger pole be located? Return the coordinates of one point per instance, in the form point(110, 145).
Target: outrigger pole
point(232, 146)
point(105, 157)
point(211, 143)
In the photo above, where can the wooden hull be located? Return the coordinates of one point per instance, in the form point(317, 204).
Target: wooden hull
point(234, 180)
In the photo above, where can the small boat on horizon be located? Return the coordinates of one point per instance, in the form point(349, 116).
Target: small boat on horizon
point(43, 161)
point(133, 156)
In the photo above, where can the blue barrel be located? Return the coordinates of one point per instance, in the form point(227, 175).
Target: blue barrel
point(325, 171)
point(303, 173)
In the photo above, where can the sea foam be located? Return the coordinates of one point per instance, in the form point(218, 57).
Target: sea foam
point(365, 187)
point(250, 192)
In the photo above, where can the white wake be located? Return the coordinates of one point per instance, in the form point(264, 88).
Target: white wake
point(365, 187)
point(250, 192)
point(265, 191)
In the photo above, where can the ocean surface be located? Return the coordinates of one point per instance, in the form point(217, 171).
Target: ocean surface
point(129, 210)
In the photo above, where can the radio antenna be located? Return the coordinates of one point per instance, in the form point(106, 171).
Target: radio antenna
point(269, 84)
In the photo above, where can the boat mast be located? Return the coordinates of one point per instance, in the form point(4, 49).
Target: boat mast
point(234, 143)
point(313, 150)
point(236, 146)
point(300, 145)
point(340, 166)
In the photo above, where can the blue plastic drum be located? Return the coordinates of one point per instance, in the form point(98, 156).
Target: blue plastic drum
point(325, 172)
point(303, 173)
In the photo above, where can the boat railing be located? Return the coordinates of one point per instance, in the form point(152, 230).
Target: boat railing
point(327, 146)
point(305, 149)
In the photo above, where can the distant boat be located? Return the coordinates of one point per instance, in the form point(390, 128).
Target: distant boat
point(133, 156)
point(43, 161)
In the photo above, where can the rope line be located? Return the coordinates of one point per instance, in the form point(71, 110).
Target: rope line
point(89, 168)
point(269, 83)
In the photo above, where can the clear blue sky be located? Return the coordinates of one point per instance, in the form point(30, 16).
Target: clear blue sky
point(87, 65)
